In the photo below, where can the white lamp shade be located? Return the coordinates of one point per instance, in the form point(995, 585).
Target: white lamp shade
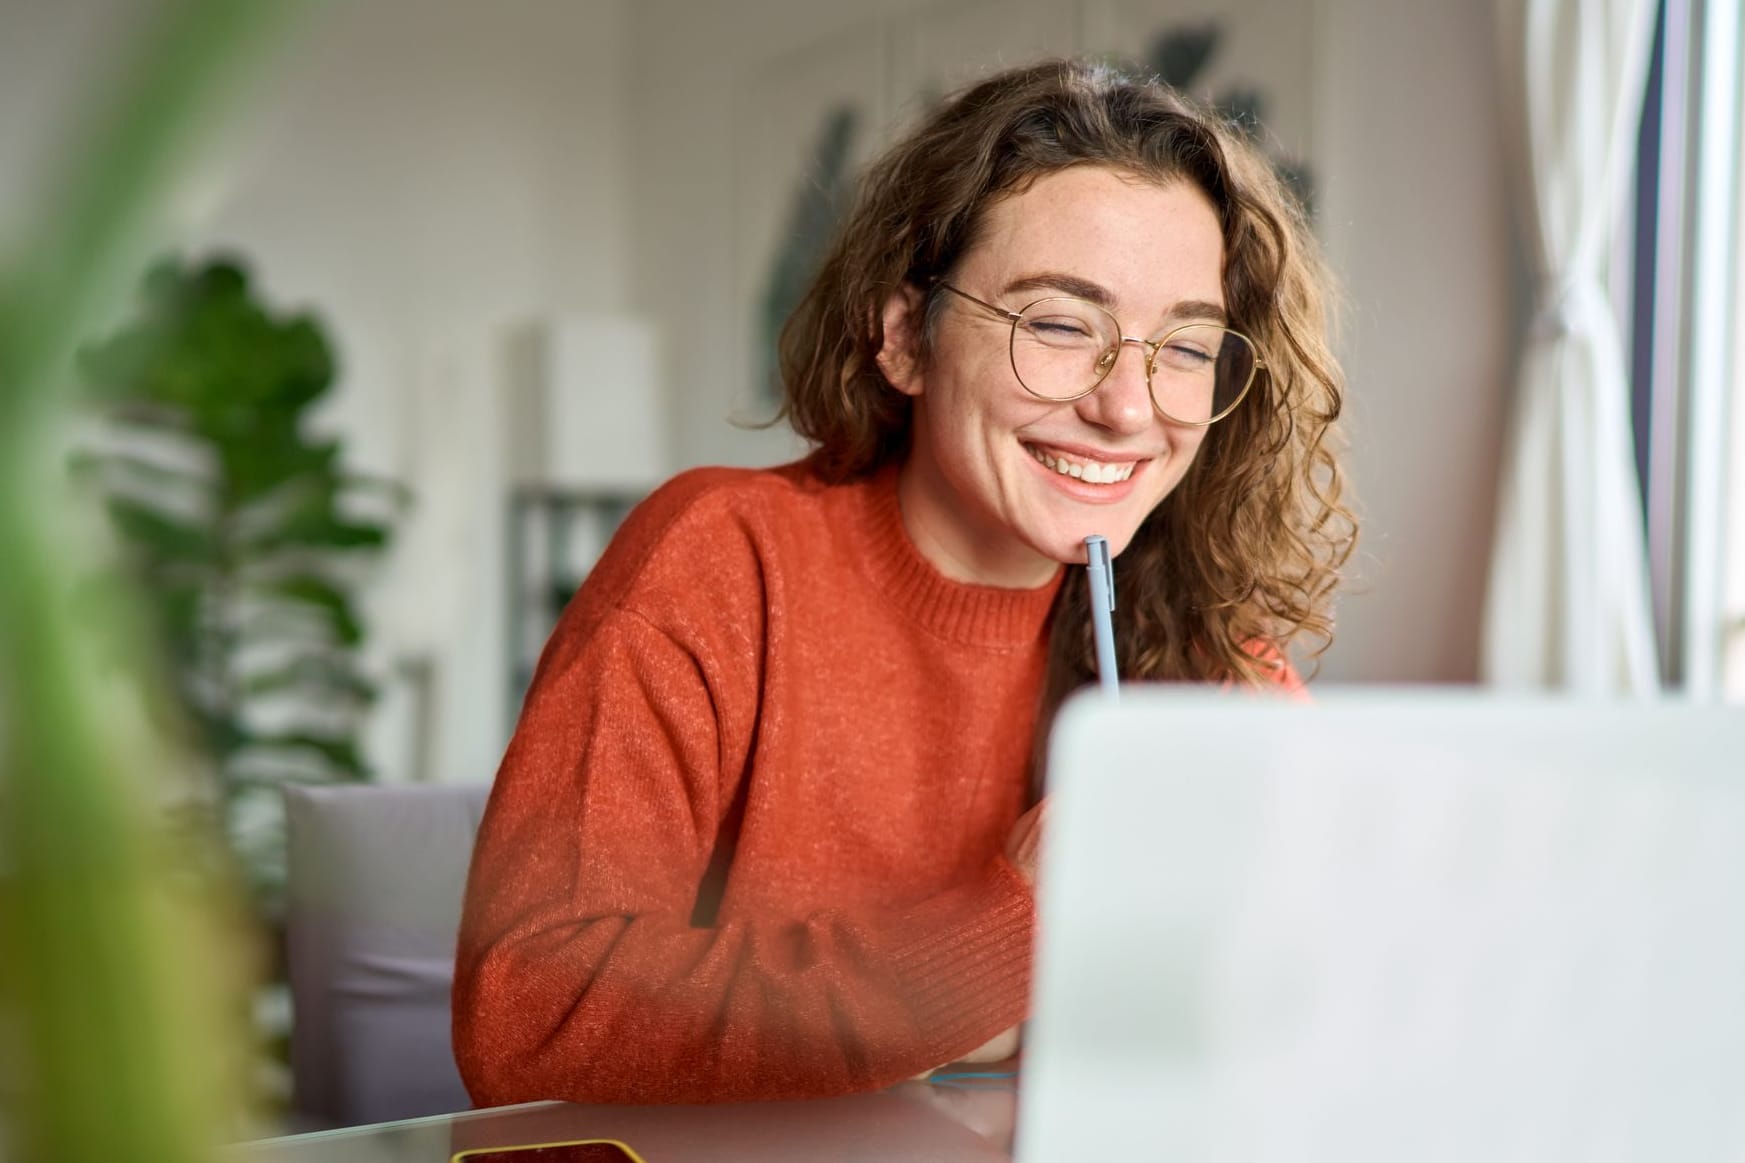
point(586, 409)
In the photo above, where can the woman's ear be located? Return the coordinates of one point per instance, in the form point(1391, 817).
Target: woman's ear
point(899, 356)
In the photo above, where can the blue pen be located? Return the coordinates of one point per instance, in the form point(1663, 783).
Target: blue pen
point(1101, 572)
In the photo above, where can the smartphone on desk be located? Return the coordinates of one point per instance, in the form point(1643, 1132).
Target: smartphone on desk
point(575, 1151)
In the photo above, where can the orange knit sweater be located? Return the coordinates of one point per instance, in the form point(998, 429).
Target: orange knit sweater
point(747, 841)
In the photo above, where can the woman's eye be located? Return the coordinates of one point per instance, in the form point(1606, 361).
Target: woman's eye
point(1060, 328)
point(1186, 355)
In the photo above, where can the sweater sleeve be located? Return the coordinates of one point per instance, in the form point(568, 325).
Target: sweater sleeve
point(579, 975)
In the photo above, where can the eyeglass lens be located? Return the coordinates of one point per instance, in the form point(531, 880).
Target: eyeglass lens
point(1062, 348)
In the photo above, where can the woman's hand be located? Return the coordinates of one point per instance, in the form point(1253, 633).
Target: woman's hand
point(996, 1049)
point(1024, 842)
point(999, 1048)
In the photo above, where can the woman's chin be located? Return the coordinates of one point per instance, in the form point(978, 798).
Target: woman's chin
point(1068, 546)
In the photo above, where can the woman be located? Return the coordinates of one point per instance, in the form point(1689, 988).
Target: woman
point(764, 830)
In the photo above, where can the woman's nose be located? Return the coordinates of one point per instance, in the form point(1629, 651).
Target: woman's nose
point(1122, 402)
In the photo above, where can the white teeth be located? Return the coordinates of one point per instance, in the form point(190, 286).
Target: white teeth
point(1095, 472)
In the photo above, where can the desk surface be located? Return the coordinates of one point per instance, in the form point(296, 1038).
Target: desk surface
point(917, 1121)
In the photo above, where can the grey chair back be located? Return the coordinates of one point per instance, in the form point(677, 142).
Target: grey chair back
point(375, 879)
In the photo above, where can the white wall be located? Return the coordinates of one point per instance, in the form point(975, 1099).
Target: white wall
point(423, 174)
point(1417, 224)
point(1414, 217)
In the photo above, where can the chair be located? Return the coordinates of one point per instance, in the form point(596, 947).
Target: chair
point(375, 879)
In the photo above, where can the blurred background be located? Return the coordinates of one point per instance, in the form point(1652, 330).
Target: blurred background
point(501, 268)
point(435, 180)
point(446, 185)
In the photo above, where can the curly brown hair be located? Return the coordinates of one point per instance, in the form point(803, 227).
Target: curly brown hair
point(1243, 555)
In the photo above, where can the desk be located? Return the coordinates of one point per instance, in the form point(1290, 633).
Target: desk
point(913, 1122)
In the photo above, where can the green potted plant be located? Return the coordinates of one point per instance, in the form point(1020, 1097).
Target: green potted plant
point(245, 532)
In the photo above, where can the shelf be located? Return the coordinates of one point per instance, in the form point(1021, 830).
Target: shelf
point(554, 537)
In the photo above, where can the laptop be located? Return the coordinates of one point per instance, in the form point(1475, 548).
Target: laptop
point(1389, 925)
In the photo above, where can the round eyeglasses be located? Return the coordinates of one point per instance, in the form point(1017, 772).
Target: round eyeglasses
point(1063, 348)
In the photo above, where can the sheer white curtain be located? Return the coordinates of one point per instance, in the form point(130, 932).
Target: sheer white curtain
point(1568, 602)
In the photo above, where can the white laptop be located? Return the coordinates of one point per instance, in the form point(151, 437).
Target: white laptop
point(1389, 926)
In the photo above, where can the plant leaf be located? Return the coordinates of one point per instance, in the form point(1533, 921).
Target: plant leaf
point(332, 675)
point(319, 594)
point(162, 536)
point(338, 751)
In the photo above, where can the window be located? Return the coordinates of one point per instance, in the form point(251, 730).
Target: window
point(1687, 302)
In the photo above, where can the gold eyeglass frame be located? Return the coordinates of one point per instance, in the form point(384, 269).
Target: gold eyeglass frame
point(1150, 347)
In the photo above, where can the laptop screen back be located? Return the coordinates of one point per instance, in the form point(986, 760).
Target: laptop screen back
point(1390, 925)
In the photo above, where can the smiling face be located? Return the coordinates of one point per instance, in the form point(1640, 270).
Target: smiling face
point(983, 491)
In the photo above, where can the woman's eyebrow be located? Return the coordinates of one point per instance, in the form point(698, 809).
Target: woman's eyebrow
point(1066, 284)
point(1199, 310)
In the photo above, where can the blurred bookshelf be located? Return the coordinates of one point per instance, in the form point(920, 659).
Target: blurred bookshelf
point(555, 536)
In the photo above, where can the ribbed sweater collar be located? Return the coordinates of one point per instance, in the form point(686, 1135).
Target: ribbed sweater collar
point(975, 615)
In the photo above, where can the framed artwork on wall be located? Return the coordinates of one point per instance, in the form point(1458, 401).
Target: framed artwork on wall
point(1254, 60)
point(811, 121)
